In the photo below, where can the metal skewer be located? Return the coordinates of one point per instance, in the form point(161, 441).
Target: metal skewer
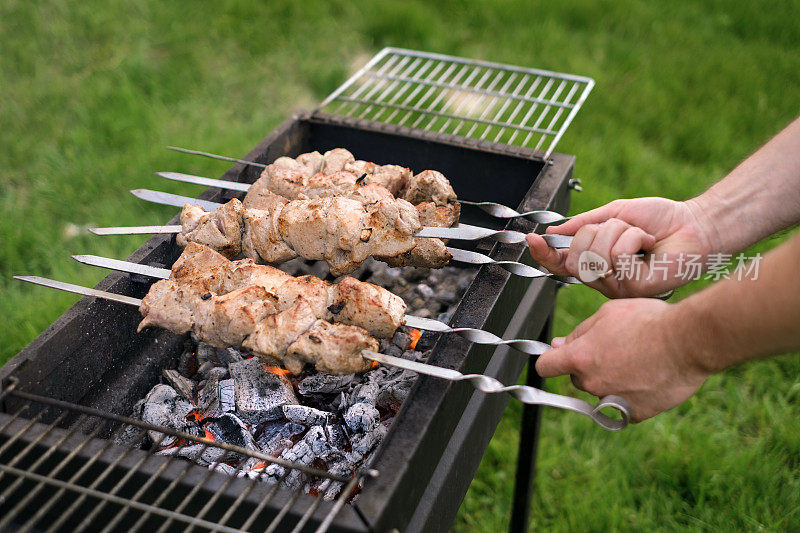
point(494, 209)
point(523, 393)
point(458, 232)
point(478, 336)
point(487, 384)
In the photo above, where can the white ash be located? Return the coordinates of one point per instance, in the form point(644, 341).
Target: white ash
point(319, 420)
point(258, 390)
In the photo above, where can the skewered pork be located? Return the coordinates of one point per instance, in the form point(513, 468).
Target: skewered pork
point(342, 231)
point(200, 271)
point(239, 303)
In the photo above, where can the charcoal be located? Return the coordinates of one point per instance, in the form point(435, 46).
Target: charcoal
point(130, 436)
point(392, 396)
point(425, 291)
point(208, 397)
point(220, 372)
point(206, 353)
point(361, 417)
point(258, 418)
point(336, 436)
point(367, 392)
point(230, 429)
point(314, 445)
point(204, 370)
point(267, 430)
point(183, 386)
point(164, 407)
point(309, 416)
point(364, 443)
point(227, 395)
point(324, 384)
point(283, 439)
point(199, 453)
point(330, 488)
point(259, 390)
point(187, 364)
point(402, 340)
point(227, 356)
point(394, 351)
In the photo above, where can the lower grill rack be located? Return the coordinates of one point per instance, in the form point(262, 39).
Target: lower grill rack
point(62, 469)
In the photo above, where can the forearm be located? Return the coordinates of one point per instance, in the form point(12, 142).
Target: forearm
point(734, 321)
point(758, 198)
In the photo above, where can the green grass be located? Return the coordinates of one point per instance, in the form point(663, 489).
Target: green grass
point(90, 92)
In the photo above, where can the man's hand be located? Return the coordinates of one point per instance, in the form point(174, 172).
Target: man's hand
point(627, 348)
point(663, 228)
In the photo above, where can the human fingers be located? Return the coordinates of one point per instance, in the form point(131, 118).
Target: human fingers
point(607, 234)
point(555, 362)
point(550, 258)
point(580, 243)
point(594, 216)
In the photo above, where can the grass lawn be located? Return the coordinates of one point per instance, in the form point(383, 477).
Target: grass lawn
point(90, 93)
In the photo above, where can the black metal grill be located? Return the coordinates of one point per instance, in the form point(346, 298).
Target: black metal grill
point(65, 394)
point(55, 478)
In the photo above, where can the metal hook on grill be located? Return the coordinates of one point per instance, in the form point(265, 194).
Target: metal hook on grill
point(523, 393)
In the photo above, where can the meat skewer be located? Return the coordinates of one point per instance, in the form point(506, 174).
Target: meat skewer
point(523, 393)
point(492, 208)
point(459, 232)
point(362, 304)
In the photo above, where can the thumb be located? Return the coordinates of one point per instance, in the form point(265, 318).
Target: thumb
point(555, 362)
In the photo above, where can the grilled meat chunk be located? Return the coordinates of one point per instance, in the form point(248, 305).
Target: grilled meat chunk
point(333, 348)
point(274, 334)
point(240, 303)
point(366, 305)
point(262, 239)
point(220, 229)
point(229, 319)
point(335, 160)
point(168, 305)
point(349, 301)
point(429, 186)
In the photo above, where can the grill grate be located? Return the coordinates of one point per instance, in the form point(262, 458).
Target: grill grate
point(463, 97)
point(61, 469)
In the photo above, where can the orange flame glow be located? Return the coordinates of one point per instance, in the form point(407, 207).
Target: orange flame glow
point(259, 466)
point(276, 370)
point(416, 335)
point(194, 416)
point(208, 435)
point(374, 364)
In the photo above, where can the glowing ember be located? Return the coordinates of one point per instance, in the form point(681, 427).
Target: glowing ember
point(415, 335)
point(194, 416)
point(259, 466)
point(276, 370)
point(208, 435)
point(374, 364)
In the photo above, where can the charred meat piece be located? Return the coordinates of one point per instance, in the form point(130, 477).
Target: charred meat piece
point(220, 229)
point(429, 186)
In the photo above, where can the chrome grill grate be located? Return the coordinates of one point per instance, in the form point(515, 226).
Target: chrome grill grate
point(462, 97)
point(60, 469)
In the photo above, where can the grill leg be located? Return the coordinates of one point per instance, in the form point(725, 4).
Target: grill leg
point(528, 439)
